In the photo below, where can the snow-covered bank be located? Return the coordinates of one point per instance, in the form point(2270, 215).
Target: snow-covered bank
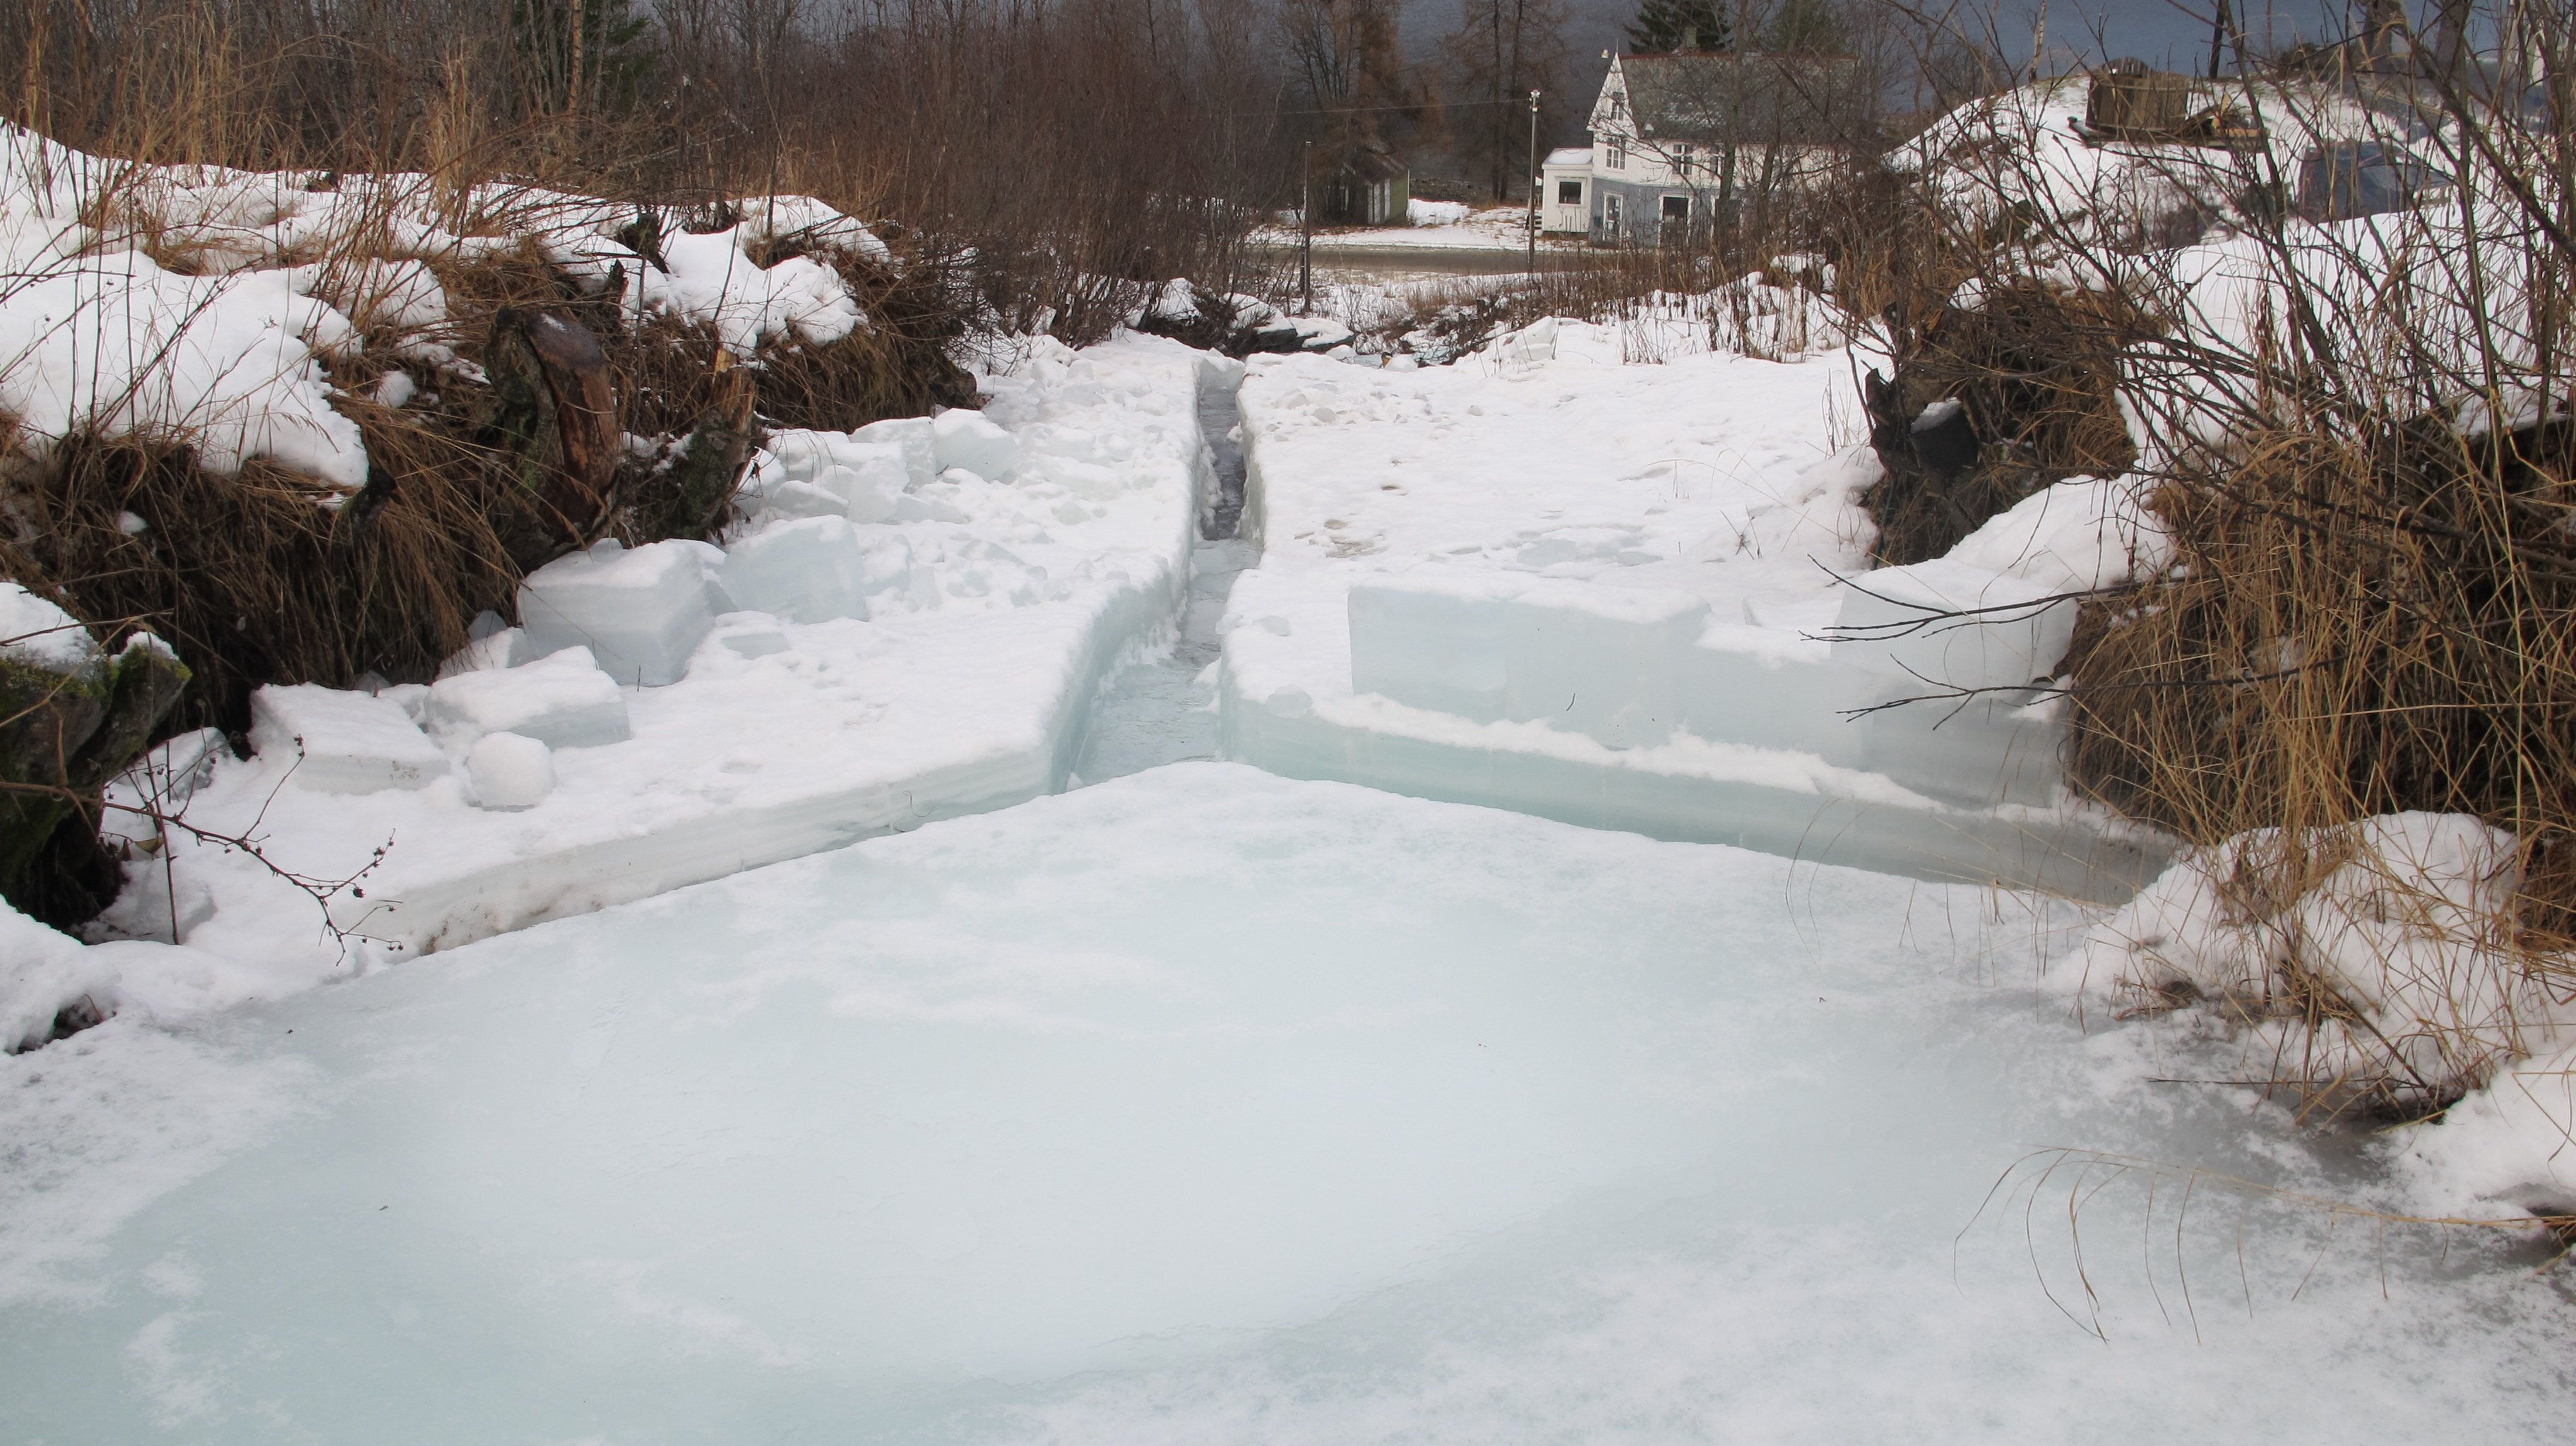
point(1209, 1106)
point(969, 628)
point(1716, 492)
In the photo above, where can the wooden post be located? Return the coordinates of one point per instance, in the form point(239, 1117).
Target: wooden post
point(1535, 179)
point(1306, 235)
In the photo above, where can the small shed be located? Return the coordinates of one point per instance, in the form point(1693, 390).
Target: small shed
point(1363, 185)
point(1565, 192)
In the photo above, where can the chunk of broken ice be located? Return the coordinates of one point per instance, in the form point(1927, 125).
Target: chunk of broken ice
point(968, 439)
point(807, 571)
point(352, 743)
point(562, 700)
point(641, 611)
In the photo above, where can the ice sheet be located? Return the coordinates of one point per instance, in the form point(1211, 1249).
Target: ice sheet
point(1207, 1106)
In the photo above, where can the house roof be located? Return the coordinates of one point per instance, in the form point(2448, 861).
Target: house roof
point(1795, 98)
point(1570, 156)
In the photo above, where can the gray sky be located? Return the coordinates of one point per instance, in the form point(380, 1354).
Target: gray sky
point(2154, 30)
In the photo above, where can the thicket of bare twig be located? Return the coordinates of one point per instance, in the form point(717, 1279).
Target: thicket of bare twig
point(2356, 435)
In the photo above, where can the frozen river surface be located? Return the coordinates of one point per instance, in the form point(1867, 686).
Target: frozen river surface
point(1203, 1106)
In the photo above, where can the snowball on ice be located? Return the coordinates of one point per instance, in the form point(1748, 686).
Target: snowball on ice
point(509, 771)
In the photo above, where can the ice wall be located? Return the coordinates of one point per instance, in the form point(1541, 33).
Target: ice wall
point(1635, 709)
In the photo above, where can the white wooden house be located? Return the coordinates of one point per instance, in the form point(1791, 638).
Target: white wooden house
point(1676, 139)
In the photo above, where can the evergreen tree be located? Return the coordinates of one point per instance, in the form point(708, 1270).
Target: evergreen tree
point(578, 55)
point(1803, 27)
point(1667, 27)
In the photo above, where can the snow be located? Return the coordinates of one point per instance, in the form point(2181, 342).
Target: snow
point(2080, 535)
point(36, 631)
point(188, 301)
point(2376, 958)
point(509, 771)
point(1436, 225)
point(957, 681)
point(1206, 1105)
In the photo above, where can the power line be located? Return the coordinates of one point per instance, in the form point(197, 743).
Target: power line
point(1371, 109)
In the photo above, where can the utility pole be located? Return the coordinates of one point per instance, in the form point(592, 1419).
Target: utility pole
point(1535, 179)
point(1306, 234)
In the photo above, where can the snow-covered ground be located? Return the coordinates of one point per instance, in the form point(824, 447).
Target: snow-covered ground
point(1209, 1106)
point(1437, 225)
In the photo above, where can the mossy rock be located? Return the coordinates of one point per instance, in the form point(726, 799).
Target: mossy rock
point(67, 732)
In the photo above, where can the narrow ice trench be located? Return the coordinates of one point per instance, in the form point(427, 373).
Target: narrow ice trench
point(1161, 710)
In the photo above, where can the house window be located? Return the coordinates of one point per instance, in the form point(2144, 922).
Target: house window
point(1682, 162)
point(1569, 193)
point(1618, 155)
point(1677, 208)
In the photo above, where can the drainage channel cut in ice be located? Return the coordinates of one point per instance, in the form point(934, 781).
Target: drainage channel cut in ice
point(1207, 1106)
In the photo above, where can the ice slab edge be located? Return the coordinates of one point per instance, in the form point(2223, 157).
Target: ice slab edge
point(1659, 792)
point(513, 893)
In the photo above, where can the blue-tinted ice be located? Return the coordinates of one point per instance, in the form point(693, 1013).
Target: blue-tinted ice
point(1207, 1106)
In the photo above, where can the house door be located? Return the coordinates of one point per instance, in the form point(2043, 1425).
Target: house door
point(1613, 224)
point(1676, 221)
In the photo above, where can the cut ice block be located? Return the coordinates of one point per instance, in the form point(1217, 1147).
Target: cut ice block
point(510, 771)
point(562, 700)
point(1896, 621)
point(352, 743)
point(833, 474)
point(1493, 646)
point(916, 436)
point(808, 571)
point(1599, 660)
point(502, 648)
point(869, 480)
point(1981, 751)
point(1770, 689)
point(1437, 647)
point(967, 439)
point(641, 611)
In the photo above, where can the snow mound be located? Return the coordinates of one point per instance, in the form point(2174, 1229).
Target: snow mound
point(2372, 961)
point(184, 303)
